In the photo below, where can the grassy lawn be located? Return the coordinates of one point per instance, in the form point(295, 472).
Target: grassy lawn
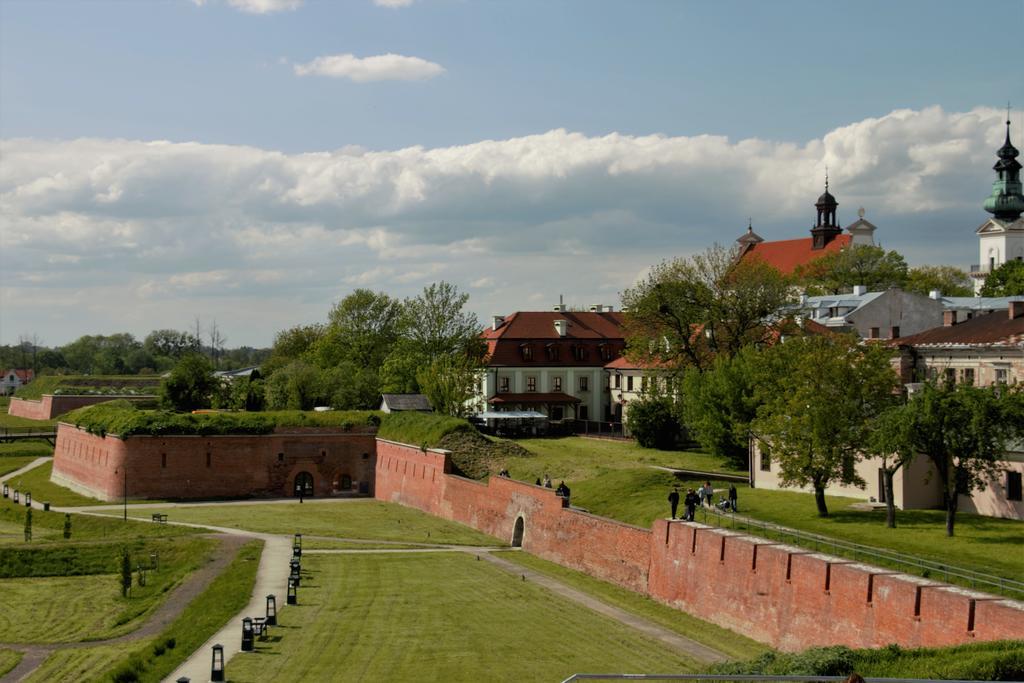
point(8, 660)
point(24, 449)
point(14, 462)
point(325, 544)
point(12, 421)
point(636, 494)
point(370, 520)
point(38, 482)
point(76, 608)
point(682, 623)
point(442, 617)
point(575, 458)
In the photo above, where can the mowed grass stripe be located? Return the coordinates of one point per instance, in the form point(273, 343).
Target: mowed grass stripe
point(443, 616)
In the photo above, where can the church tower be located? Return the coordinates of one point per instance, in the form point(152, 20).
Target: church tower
point(827, 227)
point(1001, 238)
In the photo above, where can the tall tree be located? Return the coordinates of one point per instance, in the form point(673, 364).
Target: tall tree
point(1006, 280)
point(170, 343)
point(190, 384)
point(892, 444)
point(436, 323)
point(290, 345)
point(362, 328)
point(822, 393)
point(840, 271)
point(217, 341)
point(949, 280)
point(963, 430)
point(689, 311)
point(450, 382)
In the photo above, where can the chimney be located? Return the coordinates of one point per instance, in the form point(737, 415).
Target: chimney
point(559, 308)
point(935, 294)
point(948, 318)
point(496, 321)
point(561, 327)
point(1016, 309)
point(860, 290)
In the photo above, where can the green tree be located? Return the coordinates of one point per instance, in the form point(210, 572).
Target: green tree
point(949, 280)
point(821, 395)
point(963, 430)
point(170, 343)
point(450, 382)
point(436, 323)
point(689, 311)
point(126, 572)
point(892, 444)
point(653, 423)
point(28, 524)
point(291, 345)
point(719, 404)
point(839, 271)
point(296, 386)
point(190, 384)
point(362, 328)
point(1006, 280)
point(351, 387)
point(398, 373)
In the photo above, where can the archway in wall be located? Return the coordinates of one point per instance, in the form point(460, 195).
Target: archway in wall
point(304, 484)
point(517, 533)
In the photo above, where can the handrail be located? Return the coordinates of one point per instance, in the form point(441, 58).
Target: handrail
point(40, 431)
point(856, 551)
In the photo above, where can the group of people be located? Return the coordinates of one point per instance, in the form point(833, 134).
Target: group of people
point(562, 491)
point(704, 495)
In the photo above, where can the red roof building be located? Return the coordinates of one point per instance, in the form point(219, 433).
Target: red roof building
point(552, 362)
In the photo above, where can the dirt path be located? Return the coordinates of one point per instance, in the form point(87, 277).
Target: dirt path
point(165, 614)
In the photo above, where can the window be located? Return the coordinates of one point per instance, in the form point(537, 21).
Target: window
point(280, 457)
point(895, 332)
point(531, 384)
point(527, 351)
point(1001, 375)
point(503, 384)
point(584, 384)
point(579, 352)
point(163, 460)
point(606, 351)
point(552, 351)
point(583, 412)
point(629, 383)
point(209, 459)
point(950, 374)
point(1013, 486)
point(967, 376)
point(766, 459)
point(556, 384)
point(874, 333)
point(556, 413)
point(618, 381)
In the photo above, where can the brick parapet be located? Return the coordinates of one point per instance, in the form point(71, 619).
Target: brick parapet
point(52, 405)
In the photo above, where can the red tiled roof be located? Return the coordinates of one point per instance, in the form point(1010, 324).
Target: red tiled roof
point(541, 325)
point(993, 328)
point(537, 329)
point(23, 375)
point(786, 255)
point(623, 363)
point(556, 397)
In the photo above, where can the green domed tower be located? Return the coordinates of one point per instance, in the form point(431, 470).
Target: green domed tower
point(1007, 200)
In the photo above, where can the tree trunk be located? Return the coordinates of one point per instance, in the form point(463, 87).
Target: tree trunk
point(950, 512)
point(819, 499)
point(890, 504)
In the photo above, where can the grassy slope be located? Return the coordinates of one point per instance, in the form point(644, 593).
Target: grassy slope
point(222, 599)
point(483, 624)
point(370, 520)
point(49, 384)
point(76, 608)
point(682, 623)
point(10, 463)
point(616, 483)
point(38, 482)
point(8, 660)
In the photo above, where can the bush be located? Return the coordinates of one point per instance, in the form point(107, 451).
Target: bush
point(191, 384)
point(653, 423)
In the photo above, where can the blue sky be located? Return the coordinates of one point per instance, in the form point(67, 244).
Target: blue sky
point(519, 149)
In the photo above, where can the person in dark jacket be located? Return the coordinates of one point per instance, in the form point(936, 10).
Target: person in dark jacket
point(732, 497)
point(691, 501)
point(673, 500)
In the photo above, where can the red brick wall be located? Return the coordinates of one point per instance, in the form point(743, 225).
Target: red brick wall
point(210, 466)
point(51, 406)
point(787, 597)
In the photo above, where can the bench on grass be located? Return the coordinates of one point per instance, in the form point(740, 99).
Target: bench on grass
point(160, 517)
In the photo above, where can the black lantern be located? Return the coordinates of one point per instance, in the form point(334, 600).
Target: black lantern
point(16, 496)
point(296, 571)
point(297, 543)
point(154, 561)
point(271, 610)
point(28, 499)
point(296, 551)
point(293, 592)
point(6, 491)
point(217, 664)
point(247, 637)
point(184, 679)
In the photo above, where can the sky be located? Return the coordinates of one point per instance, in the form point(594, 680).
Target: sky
point(253, 161)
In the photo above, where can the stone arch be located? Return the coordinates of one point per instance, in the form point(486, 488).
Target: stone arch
point(518, 531)
point(304, 484)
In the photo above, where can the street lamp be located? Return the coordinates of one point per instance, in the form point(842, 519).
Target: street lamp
point(247, 638)
point(28, 499)
point(6, 490)
point(217, 664)
point(271, 610)
point(293, 593)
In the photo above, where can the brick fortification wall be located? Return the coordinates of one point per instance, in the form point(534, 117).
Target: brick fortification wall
point(787, 597)
point(50, 406)
point(213, 466)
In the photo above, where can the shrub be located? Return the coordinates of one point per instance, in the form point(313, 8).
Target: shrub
point(653, 423)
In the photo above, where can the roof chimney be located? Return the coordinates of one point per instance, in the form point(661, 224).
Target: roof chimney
point(559, 308)
point(1016, 309)
point(935, 294)
point(561, 327)
point(496, 321)
point(948, 318)
point(860, 290)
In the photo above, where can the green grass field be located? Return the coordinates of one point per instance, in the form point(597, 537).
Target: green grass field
point(8, 660)
point(635, 493)
point(76, 608)
point(723, 640)
point(38, 482)
point(12, 421)
point(444, 617)
point(14, 462)
point(24, 449)
point(360, 519)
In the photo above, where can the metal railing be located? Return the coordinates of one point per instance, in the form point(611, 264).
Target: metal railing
point(743, 678)
point(911, 564)
point(10, 433)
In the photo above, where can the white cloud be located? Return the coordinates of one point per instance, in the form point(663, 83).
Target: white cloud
point(264, 240)
point(393, 3)
point(265, 6)
point(389, 67)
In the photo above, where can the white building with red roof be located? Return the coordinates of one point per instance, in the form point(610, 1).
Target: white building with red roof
point(552, 362)
point(14, 378)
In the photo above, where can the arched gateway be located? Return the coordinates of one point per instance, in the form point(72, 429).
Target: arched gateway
point(517, 533)
point(304, 484)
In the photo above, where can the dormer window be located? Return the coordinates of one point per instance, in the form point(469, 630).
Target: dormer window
point(527, 351)
point(606, 352)
point(503, 385)
point(552, 351)
point(579, 352)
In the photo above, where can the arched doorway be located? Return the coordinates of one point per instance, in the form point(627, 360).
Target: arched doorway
point(346, 483)
point(517, 533)
point(304, 484)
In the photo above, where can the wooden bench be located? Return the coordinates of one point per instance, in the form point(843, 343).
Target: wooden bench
point(160, 517)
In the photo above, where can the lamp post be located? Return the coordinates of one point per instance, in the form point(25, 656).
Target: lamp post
point(271, 610)
point(16, 497)
point(126, 493)
point(217, 663)
point(6, 490)
point(28, 499)
point(247, 637)
point(293, 593)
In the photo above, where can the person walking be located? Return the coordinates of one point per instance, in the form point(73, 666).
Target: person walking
point(732, 497)
point(547, 481)
point(673, 500)
point(690, 501)
point(708, 494)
